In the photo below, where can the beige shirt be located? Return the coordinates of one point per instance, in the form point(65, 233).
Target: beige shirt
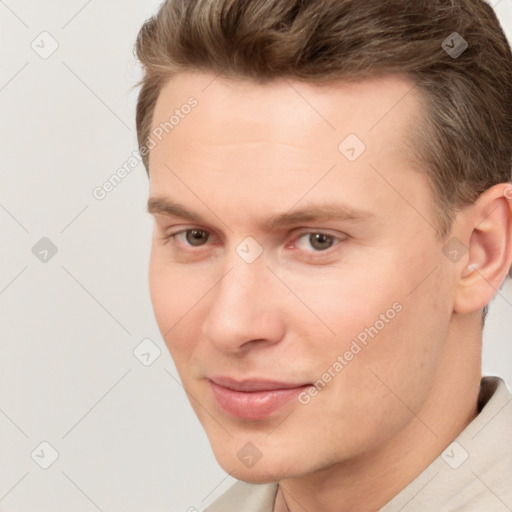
point(473, 474)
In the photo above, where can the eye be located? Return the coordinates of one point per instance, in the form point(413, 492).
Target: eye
point(317, 241)
point(193, 237)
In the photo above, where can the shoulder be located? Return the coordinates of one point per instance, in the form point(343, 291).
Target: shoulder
point(474, 472)
point(246, 497)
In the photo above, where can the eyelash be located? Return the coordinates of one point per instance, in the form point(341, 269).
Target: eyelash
point(294, 239)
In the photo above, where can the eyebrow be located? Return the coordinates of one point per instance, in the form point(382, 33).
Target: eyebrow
point(314, 213)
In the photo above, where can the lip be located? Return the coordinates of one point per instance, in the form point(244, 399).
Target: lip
point(253, 399)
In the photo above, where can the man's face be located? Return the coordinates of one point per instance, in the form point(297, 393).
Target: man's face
point(302, 260)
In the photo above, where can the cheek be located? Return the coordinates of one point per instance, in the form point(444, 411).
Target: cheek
point(393, 374)
point(343, 304)
point(390, 326)
point(175, 293)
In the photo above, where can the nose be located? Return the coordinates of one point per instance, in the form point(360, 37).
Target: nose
point(244, 308)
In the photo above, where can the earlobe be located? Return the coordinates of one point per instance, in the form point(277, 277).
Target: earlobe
point(489, 244)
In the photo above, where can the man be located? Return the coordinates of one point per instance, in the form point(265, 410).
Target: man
point(330, 182)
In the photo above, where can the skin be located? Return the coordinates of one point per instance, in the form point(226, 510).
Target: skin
point(249, 152)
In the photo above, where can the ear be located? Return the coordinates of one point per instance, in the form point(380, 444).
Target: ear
point(488, 238)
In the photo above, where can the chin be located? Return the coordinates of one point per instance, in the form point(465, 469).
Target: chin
point(265, 470)
point(256, 476)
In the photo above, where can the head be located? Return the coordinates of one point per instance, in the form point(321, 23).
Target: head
point(335, 181)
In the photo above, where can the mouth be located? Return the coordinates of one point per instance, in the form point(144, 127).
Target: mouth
point(253, 399)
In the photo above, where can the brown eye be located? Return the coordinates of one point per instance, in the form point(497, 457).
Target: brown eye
point(196, 237)
point(320, 241)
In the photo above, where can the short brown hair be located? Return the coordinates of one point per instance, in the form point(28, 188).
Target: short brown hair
point(464, 142)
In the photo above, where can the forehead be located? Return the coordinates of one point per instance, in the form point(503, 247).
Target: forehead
point(260, 110)
point(281, 137)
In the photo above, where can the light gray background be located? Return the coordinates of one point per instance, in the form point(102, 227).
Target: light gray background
point(126, 436)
